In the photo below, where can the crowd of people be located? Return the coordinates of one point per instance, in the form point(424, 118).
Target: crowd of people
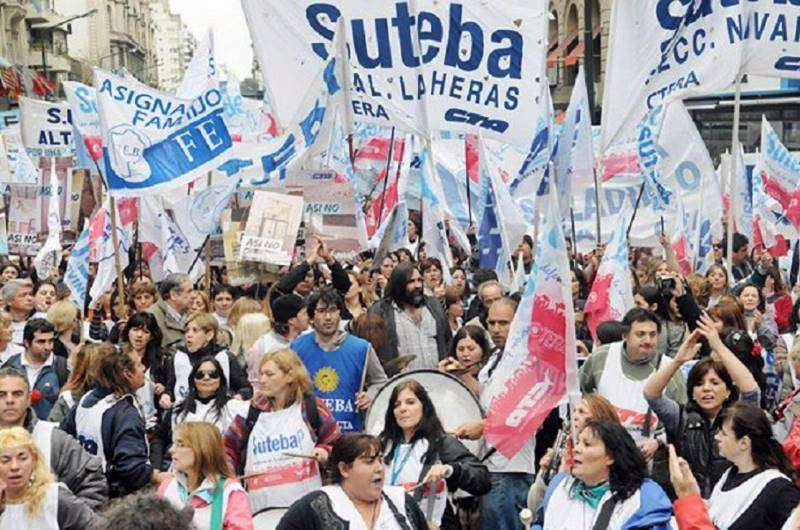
point(203, 405)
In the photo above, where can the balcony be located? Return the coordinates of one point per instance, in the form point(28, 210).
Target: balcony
point(56, 62)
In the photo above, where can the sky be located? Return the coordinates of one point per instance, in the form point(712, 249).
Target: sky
point(231, 37)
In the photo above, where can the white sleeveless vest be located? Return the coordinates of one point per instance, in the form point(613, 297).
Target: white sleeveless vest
point(725, 507)
point(15, 517)
point(202, 516)
point(344, 508)
point(627, 395)
point(183, 369)
point(285, 478)
point(89, 422)
point(43, 437)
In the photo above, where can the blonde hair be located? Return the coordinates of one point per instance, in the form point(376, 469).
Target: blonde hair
point(205, 321)
point(84, 366)
point(40, 478)
point(204, 297)
point(249, 329)
point(205, 441)
point(289, 363)
point(62, 315)
point(5, 319)
point(241, 307)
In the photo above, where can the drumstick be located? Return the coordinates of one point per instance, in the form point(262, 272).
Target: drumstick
point(299, 455)
point(259, 473)
point(415, 487)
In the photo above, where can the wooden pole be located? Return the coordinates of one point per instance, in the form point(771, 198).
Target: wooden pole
point(115, 241)
point(737, 108)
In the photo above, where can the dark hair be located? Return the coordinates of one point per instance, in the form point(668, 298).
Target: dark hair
point(749, 420)
point(151, 512)
point(348, 449)
point(741, 289)
point(583, 286)
point(695, 378)
point(110, 371)
point(41, 283)
point(430, 427)
point(528, 240)
point(729, 311)
point(775, 273)
point(429, 264)
point(610, 331)
point(152, 353)
point(398, 280)
point(372, 328)
point(793, 320)
point(223, 288)
point(189, 404)
point(629, 468)
point(739, 241)
point(637, 314)
point(476, 333)
point(328, 295)
point(36, 325)
point(483, 275)
point(742, 346)
point(404, 251)
point(170, 283)
point(650, 293)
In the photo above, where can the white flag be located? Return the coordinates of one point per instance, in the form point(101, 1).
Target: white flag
point(49, 256)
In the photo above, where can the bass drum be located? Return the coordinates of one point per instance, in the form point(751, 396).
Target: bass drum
point(268, 519)
point(451, 398)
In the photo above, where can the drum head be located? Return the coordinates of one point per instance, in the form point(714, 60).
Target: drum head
point(268, 519)
point(453, 401)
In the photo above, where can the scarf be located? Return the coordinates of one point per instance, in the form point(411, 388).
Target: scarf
point(591, 495)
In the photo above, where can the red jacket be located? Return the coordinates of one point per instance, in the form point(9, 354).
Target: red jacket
point(692, 514)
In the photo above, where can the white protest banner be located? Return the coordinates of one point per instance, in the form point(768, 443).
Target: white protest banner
point(198, 215)
point(330, 213)
point(76, 276)
point(82, 101)
point(156, 141)
point(63, 168)
point(661, 50)
point(780, 172)
point(24, 219)
point(49, 255)
point(3, 236)
point(12, 144)
point(271, 229)
point(410, 59)
point(685, 168)
point(46, 127)
point(201, 73)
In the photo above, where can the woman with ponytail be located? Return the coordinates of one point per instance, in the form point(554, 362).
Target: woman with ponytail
point(757, 491)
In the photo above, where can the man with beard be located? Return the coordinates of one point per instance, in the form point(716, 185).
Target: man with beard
point(415, 324)
point(345, 371)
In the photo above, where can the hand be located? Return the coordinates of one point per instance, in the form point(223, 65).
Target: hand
point(312, 256)
point(438, 291)
point(544, 462)
point(707, 328)
point(583, 351)
point(681, 475)
point(159, 477)
point(471, 430)
point(664, 240)
point(648, 447)
point(472, 229)
point(689, 348)
point(321, 455)
point(679, 289)
point(323, 251)
point(448, 364)
point(436, 473)
point(159, 388)
point(757, 317)
point(165, 402)
point(363, 401)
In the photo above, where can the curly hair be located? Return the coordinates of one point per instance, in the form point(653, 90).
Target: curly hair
point(41, 477)
point(629, 468)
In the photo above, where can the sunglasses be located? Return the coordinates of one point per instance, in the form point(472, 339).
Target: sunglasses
point(202, 374)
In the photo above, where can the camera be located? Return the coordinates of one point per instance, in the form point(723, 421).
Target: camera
point(666, 284)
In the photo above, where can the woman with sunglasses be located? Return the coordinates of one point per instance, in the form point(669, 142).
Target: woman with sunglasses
point(200, 333)
point(208, 398)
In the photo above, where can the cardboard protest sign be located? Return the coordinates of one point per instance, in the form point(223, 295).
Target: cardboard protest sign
point(271, 230)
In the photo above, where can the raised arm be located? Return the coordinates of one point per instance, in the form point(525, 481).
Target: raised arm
point(739, 373)
point(657, 382)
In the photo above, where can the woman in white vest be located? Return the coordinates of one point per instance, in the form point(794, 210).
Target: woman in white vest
point(757, 491)
point(208, 398)
point(31, 498)
point(107, 422)
point(203, 480)
point(357, 497)
point(81, 379)
point(606, 486)
point(200, 332)
point(282, 438)
point(416, 450)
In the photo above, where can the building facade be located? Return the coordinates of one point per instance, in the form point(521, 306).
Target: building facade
point(174, 45)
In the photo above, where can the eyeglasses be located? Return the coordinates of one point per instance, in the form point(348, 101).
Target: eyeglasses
point(203, 374)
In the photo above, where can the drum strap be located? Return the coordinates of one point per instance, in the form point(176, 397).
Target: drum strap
point(604, 517)
point(488, 454)
point(399, 517)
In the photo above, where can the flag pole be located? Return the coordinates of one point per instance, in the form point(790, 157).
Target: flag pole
point(466, 166)
point(635, 209)
point(386, 179)
point(597, 205)
point(112, 205)
point(737, 108)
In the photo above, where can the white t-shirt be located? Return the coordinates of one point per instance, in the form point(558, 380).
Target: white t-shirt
point(17, 329)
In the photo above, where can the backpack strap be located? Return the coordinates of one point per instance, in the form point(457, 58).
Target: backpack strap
point(62, 372)
point(312, 413)
point(398, 517)
point(252, 417)
point(604, 517)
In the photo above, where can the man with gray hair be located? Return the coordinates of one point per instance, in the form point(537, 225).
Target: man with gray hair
point(17, 298)
point(170, 311)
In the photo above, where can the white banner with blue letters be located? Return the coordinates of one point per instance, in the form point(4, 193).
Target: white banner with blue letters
point(154, 140)
point(468, 65)
point(661, 50)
